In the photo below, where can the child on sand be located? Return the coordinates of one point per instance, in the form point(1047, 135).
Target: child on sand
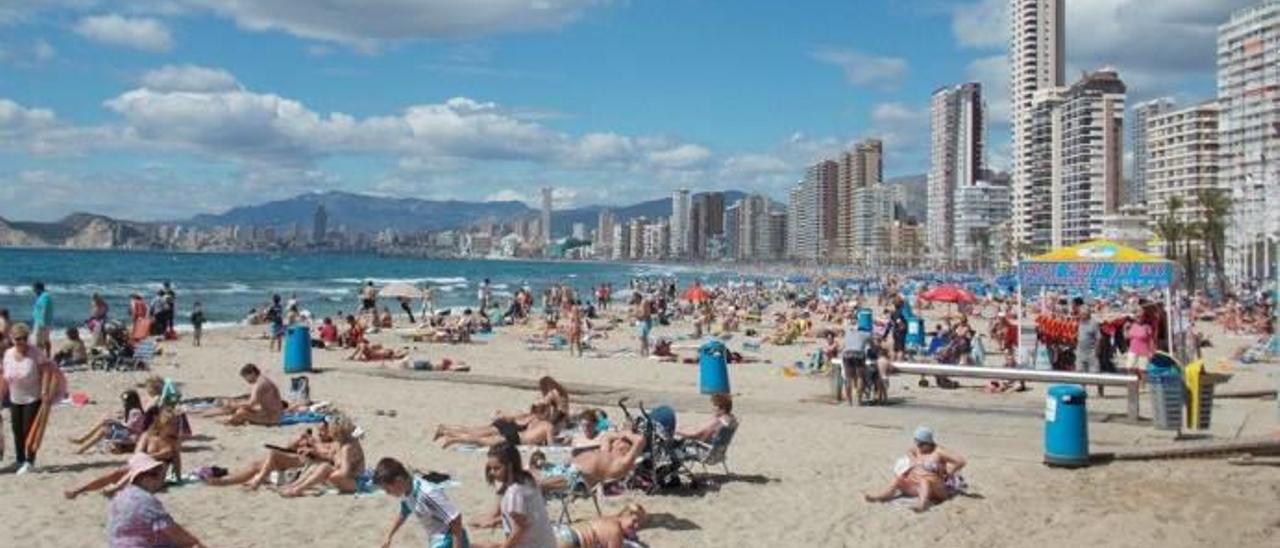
point(419, 498)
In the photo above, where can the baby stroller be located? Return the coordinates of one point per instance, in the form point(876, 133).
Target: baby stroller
point(117, 353)
point(663, 459)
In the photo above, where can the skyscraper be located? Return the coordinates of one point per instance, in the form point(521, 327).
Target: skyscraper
point(1089, 143)
point(319, 224)
point(604, 233)
point(857, 168)
point(1039, 162)
point(1037, 61)
point(546, 215)
point(980, 208)
point(1182, 159)
point(956, 136)
point(1135, 192)
point(1249, 134)
point(680, 221)
point(706, 221)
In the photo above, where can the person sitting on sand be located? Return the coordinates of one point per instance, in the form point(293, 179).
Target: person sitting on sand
point(73, 351)
point(159, 442)
point(928, 474)
point(373, 352)
point(603, 531)
point(291, 456)
point(522, 510)
point(328, 333)
point(339, 470)
point(722, 418)
point(613, 461)
point(385, 321)
point(121, 431)
point(354, 333)
point(418, 498)
point(554, 395)
point(263, 406)
point(538, 430)
point(135, 517)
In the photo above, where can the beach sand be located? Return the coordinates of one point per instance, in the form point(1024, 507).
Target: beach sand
point(800, 464)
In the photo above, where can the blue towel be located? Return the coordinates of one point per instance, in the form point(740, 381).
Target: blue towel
point(301, 417)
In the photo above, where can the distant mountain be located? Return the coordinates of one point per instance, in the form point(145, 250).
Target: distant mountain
point(364, 213)
point(78, 230)
point(563, 220)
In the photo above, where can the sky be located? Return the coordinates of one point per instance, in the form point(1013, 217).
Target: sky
point(160, 109)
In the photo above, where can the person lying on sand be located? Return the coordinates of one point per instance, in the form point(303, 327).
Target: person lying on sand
point(291, 456)
point(263, 406)
point(536, 430)
point(338, 470)
point(372, 352)
point(929, 471)
point(445, 364)
point(603, 531)
point(613, 461)
point(160, 442)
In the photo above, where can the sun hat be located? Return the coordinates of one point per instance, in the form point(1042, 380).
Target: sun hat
point(139, 464)
point(924, 434)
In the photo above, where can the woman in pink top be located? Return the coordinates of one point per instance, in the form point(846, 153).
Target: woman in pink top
point(28, 381)
point(1140, 350)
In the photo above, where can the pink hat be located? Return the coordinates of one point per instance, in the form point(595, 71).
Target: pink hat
point(139, 464)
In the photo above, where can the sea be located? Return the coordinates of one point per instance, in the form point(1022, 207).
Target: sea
point(228, 285)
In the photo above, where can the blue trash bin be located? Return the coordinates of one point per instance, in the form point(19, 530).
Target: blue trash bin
point(865, 321)
point(297, 350)
point(915, 333)
point(713, 368)
point(1066, 427)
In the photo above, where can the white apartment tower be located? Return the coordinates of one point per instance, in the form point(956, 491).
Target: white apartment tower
point(1249, 135)
point(681, 215)
point(1037, 60)
point(546, 215)
point(857, 168)
point(1182, 159)
point(1135, 192)
point(1089, 155)
point(956, 137)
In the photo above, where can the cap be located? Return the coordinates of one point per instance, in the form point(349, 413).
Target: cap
point(924, 434)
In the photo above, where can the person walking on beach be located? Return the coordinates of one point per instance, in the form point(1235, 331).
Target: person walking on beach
point(369, 299)
point(138, 314)
point(97, 319)
point(275, 318)
point(169, 305)
point(28, 381)
point(485, 295)
point(419, 498)
point(644, 321)
point(197, 323)
point(42, 317)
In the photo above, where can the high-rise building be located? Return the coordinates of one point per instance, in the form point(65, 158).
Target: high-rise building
point(657, 240)
point(775, 236)
point(1033, 232)
point(1091, 149)
point(980, 208)
point(605, 241)
point(815, 207)
point(1249, 134)
point(731, 230)
point(1135, 190)
point(1182, 159)
point(635, 237)
point(319, 225)
point(860, 167)
point(579, 231)
point(956, 136)
point(1037, 60)
point(681, 215)
point(753, 227)
point(546, 215)
point(706, 221)
point(620, 246)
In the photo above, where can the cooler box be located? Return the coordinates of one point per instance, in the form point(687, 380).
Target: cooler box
point(713, 368)
point(297, 350)
point(865, 321)
point(1066, 427)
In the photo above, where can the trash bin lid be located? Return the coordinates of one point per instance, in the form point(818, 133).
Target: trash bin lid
point(1058, 391)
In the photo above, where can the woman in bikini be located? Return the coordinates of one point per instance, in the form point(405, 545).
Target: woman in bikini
point(340, 470)
point(603, 531)
point(927, 474)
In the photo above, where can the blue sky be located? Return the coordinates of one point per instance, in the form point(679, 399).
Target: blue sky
point(158, 109)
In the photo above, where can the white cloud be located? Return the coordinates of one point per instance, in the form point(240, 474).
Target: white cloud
point(142, 33)
point(905, 132)
point(188, 78)
point(42, 51)
point(864, 69)
point(981, 24)
point(680, 157)
point(993, 73)
point(367, 23)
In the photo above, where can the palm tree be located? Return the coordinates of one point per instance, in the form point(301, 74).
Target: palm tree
point(1170, 229)
point(1215, 208)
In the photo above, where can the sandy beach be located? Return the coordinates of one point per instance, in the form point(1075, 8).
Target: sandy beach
point(799, 463)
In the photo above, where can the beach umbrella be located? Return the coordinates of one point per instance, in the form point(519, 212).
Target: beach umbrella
point(696, 294)
point(949, 294)
point(399, 289)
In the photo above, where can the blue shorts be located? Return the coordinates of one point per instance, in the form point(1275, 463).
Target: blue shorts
point(446, 540)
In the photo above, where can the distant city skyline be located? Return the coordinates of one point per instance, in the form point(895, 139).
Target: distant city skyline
point(163, 110)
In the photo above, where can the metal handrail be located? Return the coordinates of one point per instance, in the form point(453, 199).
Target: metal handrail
point(1131, 382)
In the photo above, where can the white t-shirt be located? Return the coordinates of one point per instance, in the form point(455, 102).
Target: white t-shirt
point(430, 505)
point(23, 375)
point(526, 500)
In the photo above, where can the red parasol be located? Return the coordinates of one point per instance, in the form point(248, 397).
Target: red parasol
point(949, 294)
point(696, 294)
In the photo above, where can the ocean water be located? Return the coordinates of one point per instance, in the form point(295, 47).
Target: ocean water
point(228, 285)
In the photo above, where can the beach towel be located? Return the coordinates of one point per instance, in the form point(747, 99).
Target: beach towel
point(301, 417)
